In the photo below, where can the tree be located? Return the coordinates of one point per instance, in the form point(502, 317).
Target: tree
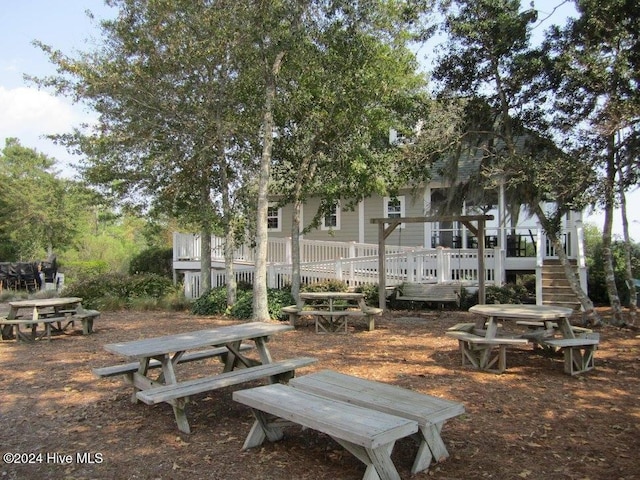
point(488, 59)
point(175, 118)
point(354, 78)
point(594, 73)
point(40, 211)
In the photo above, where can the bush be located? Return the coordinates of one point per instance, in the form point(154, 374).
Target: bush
point(326, 286)
point(214, 302)
point(370, 293)
point(80, 271)
point(211, 302)
point(102, 290)
point(153, 260)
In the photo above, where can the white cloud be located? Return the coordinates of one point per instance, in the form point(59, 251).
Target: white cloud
point(27, 112)
point(30, 115)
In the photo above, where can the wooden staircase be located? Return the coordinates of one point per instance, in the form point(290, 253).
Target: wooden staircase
point(555, 286)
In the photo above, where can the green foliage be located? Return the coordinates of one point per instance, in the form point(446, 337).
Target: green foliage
point(596, 279)
point(509, 293)
point(39, 212)
point(82, 270)
point(153, 260)
point(370, 293)
point(243, 308)
point(99, 291)
point(211, 302)
point(326, 286)
point(214, 302)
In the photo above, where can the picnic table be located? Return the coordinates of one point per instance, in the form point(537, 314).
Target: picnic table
point(478, 341)
point(331, 310)
point(364, 416)
point(54, 314)
point(226, 343)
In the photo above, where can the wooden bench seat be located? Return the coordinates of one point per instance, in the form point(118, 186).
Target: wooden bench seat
point(578, 353)
point(429, 292)
point(130, 368)
point(368, 434)
point(21, 335)
point(430, 412)
point(478, 350)
point(342, 324)
point(86, 317)
point(177, 394)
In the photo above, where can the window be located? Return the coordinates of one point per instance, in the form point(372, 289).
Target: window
point(394, 207)
point(274, 218)
point(331, 220)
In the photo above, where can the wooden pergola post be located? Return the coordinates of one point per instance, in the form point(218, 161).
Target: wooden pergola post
point(384, 232)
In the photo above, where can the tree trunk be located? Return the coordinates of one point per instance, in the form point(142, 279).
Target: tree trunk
point(631, 284)
point(590, 314)
point(205, 259)
point(229, 247)
point(295, 251)
point(607, 255)
point(260, 301)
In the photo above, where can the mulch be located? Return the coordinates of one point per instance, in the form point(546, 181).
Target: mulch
point(531, 422)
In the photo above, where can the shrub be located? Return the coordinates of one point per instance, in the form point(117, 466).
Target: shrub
point(370, 293)
point(98, 291)
point(211, 302)
point(326, 286)
point(153, 260)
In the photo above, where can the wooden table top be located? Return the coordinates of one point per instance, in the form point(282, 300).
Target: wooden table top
point(334, 295)
point(45, 302)
point(154, 346)
point(536, 312)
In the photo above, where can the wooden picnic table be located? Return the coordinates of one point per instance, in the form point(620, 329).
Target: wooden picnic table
point(53, 313)
point(171, 350)
point(331, 310)
point(478, 342)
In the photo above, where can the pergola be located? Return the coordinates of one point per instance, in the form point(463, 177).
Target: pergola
point(387, 225)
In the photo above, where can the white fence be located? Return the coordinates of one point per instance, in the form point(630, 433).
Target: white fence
point(438, 265)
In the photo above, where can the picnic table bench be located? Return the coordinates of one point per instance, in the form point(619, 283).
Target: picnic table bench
point(368, 434)
point(579, 352)
point(128, 369)
point(55, 314)
point(170, 351)
point(430, 412)
point(479, 350)
point(331, 310)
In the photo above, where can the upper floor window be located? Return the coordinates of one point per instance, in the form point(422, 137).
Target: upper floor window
point(394, 207)
point(274, 218)
point(331, 219)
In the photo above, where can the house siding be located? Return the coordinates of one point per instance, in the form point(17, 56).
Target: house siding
point(411, 234)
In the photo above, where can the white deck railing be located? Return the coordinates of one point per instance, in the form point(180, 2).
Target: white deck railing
point(418, 265)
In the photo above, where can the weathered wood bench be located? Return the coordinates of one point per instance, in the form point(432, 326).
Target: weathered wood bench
point(128, 369)
point(333, 321)
point(478, 349)
point(21, 335)
point(86, 317)
point(541, 331)
point(430, 412)
point(368, 434)
point(177, 394)
point(49, 322)
point(578, 352)
point(429, 292)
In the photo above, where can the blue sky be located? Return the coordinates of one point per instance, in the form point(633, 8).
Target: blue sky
point(28, 114)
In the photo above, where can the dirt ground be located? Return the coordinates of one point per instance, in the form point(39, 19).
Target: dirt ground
point(531, 422)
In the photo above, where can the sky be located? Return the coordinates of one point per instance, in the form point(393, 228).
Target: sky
point(29, 114)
